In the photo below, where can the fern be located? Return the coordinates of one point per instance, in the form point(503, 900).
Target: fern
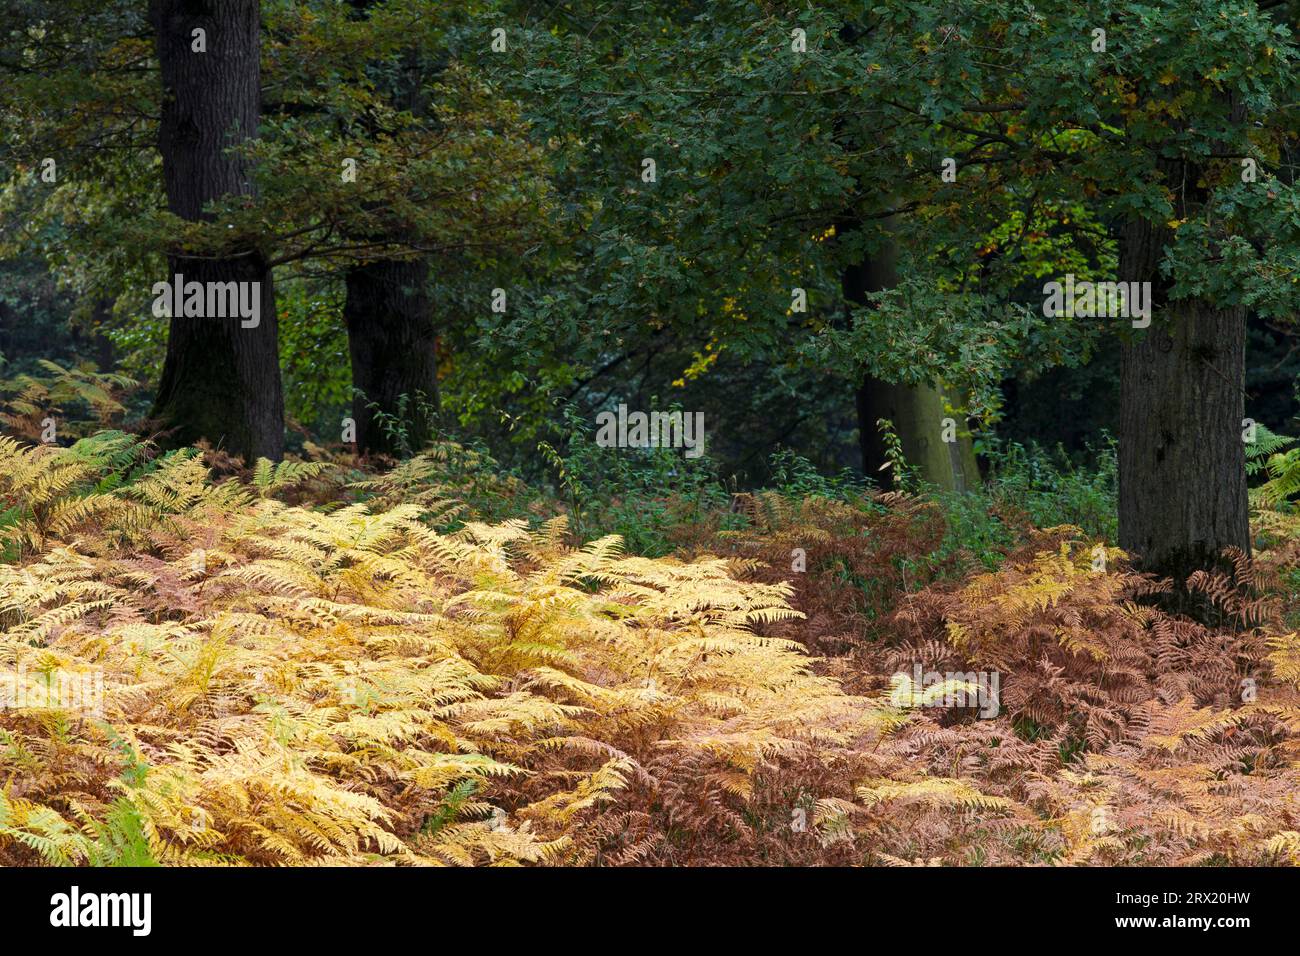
point(29, 400)
point(353, 684)
point(367, 682)
point(1267, 443)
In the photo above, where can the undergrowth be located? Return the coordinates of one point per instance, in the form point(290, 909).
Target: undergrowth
point(317, 662)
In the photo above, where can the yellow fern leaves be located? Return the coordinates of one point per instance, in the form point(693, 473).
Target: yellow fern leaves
point(284, 686)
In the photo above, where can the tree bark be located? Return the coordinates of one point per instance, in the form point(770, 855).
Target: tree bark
point(220, 380)
point(391, 334)
point(916, 411)
point(392, 342)
point(1182, 468)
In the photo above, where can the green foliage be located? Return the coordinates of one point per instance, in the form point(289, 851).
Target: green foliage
point(1051, 490)
point(640, 494)
point(76, 400)
point(1261, 450)
point(794, 476)
point(120, 839)
point(1029, 487)
point(314, 356)
point(895, 459)
point(269, 478)
point(1269, 455)
point(402, 423)
point(451, 483)
point(452, 807)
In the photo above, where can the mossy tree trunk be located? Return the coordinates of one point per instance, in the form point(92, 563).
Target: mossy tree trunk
point(918, 412)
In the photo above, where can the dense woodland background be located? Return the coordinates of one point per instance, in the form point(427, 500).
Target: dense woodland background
point(361, 585)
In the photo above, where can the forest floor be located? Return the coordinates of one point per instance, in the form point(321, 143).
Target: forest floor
point(312, 663)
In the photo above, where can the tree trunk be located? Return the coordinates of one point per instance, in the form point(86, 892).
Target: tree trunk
point(1182, 469)
point(393, 345)
point(391, 334)
point(220, 380)
point(916, 411)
